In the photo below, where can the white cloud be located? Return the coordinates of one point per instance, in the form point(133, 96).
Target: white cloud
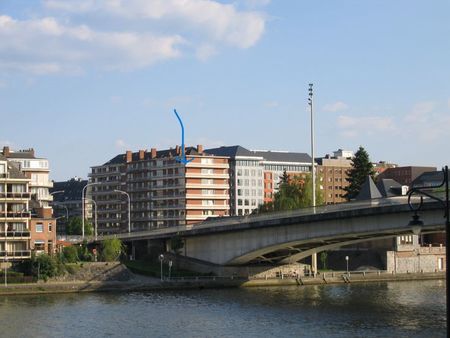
point(220, 22)
point(45, 46)
point(204, 52)
point(121, 145)
point(427, 122)
point(256, 3)
point(272, 104)
point(335, 107)
point(351, 126)
point(134, 34)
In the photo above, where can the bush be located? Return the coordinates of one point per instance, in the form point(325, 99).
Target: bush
point(45, 266)
point(70, 254)
point(84, 254)
point(112, 249)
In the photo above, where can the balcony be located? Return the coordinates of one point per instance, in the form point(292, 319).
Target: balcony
point(15, 234)
point(208, 165)
point(206, 207)
point(15, 195)
point(207, 186)
point(13, 214)
point(20, 254)
point(201, 175)
point(205, 197)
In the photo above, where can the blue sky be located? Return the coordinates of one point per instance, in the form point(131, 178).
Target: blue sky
point(81, 81)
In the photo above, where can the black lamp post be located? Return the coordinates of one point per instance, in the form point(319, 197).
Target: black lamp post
point(416, 222)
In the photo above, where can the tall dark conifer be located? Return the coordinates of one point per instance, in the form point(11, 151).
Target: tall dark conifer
point(361, 168)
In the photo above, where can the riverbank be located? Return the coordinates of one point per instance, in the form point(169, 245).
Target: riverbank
point(141, 283)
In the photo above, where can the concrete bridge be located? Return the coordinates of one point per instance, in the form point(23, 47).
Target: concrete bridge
point(287, 237)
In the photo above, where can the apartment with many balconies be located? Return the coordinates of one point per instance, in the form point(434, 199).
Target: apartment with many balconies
point(36, 169)
point(14, 213)
point(161, 191)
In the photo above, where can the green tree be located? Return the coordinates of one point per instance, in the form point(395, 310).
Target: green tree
point(45, 266)
point(323, 259)
point(176, 243)
point(112, 249)
point(70, 254)
point(75, 226)
point(361, 168)
point(293, 193)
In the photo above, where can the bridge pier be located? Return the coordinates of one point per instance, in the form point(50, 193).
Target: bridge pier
point(314, 263)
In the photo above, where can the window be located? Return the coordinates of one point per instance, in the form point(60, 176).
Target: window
point(208, 212)
point(208, 202)
point(39, 227)
point(239, 202)
point(206, 161)
point(207, 171)
point(50, 227)
point(207, 181)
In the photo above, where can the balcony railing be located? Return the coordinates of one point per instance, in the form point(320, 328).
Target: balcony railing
point(26, 195)
point(13, 214)
point(15, 234)
point(16, 254)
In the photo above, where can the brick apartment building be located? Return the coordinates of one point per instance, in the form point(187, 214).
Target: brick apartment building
point(162, 191)
point(333, 175)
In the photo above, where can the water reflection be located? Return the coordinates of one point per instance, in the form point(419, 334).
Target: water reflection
point(402, 309)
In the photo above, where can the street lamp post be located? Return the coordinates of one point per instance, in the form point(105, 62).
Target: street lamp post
point(129, 207)
point(313, 171)
point(170, 267)
point(83, 206)
point(95, 216)
point(346, 259)
point(416, 223)
point(6, 270)
point(161, 259)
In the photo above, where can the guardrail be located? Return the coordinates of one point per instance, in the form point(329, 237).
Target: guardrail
point(236, 220)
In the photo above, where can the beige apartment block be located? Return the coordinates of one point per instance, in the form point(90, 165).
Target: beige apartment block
point(14, 214)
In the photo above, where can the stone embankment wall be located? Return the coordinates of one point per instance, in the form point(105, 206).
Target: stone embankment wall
point(269, 271)
point(96, 271)
point(424, 259)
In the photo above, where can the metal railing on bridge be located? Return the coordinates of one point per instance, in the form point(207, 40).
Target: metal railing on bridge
point(236, 220)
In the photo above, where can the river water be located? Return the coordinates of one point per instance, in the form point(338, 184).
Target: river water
point(392, 309)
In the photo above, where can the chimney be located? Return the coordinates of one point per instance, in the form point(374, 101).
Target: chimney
point(178, 149)
point(129, 156)
point(141, 154)
point(153, 150)
point(6, 151)
point(199, 148)
point(32, 151)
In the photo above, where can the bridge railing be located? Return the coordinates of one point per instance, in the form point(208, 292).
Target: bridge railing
point(236, 220)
